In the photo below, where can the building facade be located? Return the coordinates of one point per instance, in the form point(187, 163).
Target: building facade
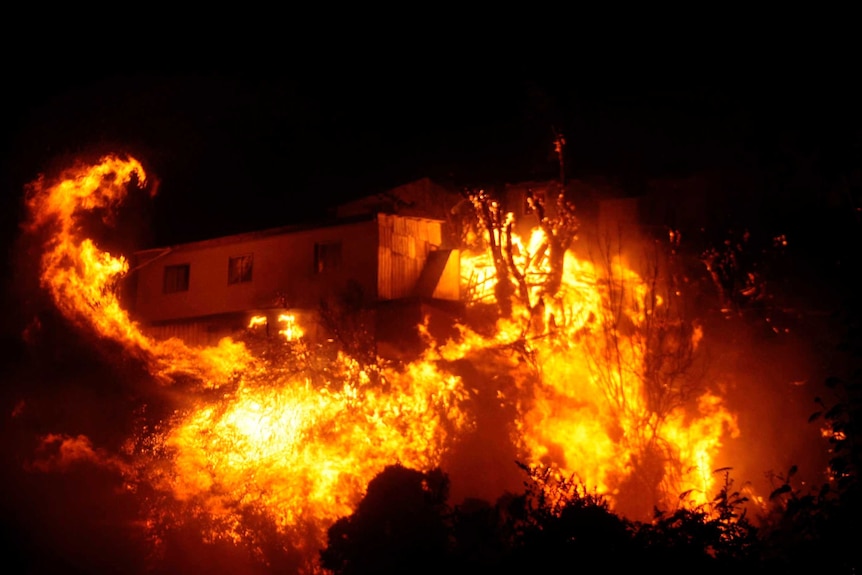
point(202, 291)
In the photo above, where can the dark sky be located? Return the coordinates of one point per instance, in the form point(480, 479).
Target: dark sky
point(235, 152)
point(240, 151)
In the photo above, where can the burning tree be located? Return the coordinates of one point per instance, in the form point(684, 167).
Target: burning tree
point(537, 274)
point(496, 223)
point(613, 394)
point(645, 359)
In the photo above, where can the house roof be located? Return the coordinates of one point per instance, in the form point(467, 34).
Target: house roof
point(422, 198)
point(260, 234)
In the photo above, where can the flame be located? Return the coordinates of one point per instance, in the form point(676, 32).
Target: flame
point(297, 441)
point(277, 440)
point(82, 279)
point(291, 330)
point(78, 275)
point(304, 453)
point(591, 406)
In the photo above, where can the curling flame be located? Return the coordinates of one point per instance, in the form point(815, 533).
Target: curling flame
point(273, 443)
point(78, 275)
point(82, 279)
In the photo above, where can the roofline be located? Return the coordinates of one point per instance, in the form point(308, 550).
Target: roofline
point(281, 230)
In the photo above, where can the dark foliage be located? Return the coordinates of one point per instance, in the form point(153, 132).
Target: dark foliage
point(404, 525)
point(817, 528)
point(400, 526)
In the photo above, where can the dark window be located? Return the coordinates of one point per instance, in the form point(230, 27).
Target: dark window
point(327, 257)
point(239, 269)
point(176, 278)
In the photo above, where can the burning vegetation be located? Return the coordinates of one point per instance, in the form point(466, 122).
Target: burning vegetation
point(591, 367)
point(292, 443)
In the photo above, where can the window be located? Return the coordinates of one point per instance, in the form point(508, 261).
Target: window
point(327, 257)
point(176, 278)
point(239, 269)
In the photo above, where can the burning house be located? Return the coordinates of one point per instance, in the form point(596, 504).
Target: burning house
point(592, 369)
point(391, 268)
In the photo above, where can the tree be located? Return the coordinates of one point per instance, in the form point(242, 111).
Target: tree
point(400, 526)
point(518, 272)
point(817, 527)
point(644, 356)
point(497, 225)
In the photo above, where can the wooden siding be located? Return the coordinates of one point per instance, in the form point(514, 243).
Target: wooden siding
point(382, 257)
point(283, 273)
point(403, 248)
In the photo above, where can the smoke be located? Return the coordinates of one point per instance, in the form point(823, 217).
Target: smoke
point(58, 452)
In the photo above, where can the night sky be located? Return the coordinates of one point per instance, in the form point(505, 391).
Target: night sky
point(235, 152)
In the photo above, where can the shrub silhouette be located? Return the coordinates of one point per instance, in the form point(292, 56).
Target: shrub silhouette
point(400, 526)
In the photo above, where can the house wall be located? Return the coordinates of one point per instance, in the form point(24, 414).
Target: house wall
point(449, 285)
point(283, 273)
point(209, 330)
point(402, 253)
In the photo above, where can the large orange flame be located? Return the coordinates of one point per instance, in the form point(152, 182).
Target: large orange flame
point(82, 279)
point(596, 390)
point(606, 396)
point(272, 442)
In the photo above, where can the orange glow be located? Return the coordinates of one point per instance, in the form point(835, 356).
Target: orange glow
point(305, 453)
point(298, 444)
point(296, 451)
point(291, 330)
point(585, 407)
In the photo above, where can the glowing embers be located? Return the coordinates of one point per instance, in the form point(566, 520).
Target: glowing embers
point(302, 454)
point(290, 328)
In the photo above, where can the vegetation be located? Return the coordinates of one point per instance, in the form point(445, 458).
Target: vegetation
point(405, 524)
point(558, 523)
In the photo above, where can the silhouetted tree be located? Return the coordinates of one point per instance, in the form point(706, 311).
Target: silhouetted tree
point(348, 317)
point(400, 526)
point(817, 527)
point(564, 523)
point(515, 279)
